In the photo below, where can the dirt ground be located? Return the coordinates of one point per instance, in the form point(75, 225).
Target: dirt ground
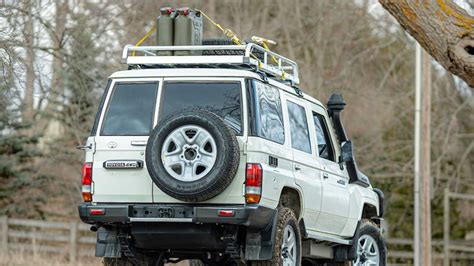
point(27, 258)
point(24, 258)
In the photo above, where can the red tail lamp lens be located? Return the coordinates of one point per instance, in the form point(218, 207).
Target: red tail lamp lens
point(253, 183)
point(87, 182)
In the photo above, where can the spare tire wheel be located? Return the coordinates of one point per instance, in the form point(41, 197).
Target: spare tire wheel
point(193, 155)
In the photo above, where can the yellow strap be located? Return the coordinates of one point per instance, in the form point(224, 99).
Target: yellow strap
point(283, 75)
point(236, 40)
point(227, 32)
point(264, 45)
point(144, 38)
point(211, 20)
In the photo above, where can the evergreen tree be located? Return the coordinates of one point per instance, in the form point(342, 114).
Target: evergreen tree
point(18, 153)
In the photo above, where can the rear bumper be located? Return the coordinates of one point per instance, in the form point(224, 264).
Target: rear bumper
point(251, 216)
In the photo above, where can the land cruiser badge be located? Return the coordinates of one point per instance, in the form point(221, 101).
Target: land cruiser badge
point(123, 164)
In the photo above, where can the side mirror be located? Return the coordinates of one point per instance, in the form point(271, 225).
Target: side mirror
point(346, 152)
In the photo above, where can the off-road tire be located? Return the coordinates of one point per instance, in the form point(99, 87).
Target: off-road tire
point(225, 41)
point(220, 41)
point(368, 227)
point(220, 175)
point(285, 216)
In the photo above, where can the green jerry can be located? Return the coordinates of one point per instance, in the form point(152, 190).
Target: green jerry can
point(165, 29)
point(188, 30)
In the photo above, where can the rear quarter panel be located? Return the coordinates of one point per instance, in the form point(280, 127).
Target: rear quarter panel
point(274, 178)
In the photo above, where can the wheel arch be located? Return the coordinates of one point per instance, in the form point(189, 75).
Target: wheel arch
point(368, 211)
point(290, 197)
point(373, 208)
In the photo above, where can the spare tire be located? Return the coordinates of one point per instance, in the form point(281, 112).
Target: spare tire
point(225, 41)
point(193, 155)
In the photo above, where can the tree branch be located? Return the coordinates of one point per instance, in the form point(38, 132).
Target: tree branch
point(445, 30)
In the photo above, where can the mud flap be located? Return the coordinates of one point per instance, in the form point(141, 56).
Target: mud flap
point(107, 244)
point(348, 252)
point(259, 243)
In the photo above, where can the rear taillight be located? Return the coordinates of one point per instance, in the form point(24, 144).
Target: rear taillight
point(87, 182)
point(253, 183)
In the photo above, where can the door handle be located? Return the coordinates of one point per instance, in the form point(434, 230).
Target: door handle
point(138, 142)
point(325, 175)
point(84, 147)
point(297, 167)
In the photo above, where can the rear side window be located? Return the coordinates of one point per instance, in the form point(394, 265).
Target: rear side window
point(322, 136)
point(99, 110)
point(298, 127)
point(221, 98)
point(130, 111)
point(267, 112)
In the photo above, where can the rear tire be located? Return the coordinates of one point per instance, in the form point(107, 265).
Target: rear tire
point(283, 249)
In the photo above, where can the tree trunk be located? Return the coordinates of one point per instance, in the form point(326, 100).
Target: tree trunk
point(444, 29)
point(56, 90)
point(28, 109)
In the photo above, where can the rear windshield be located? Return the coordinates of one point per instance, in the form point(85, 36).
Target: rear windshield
point(130, 110)
point(221, 98)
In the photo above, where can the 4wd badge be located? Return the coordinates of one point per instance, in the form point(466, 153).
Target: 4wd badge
point(123, 164)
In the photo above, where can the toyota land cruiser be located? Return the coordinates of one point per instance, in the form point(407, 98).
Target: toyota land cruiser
point(223, 160)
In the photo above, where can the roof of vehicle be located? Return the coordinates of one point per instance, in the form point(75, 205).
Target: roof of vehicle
point(204, 72)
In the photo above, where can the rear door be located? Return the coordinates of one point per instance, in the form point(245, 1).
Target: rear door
point(305, 165)
point(119, 173)
point(222, 96)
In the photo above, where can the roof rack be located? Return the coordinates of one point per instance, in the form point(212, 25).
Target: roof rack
point(266, 61)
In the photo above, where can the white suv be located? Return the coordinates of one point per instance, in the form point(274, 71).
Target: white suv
point(224, 163)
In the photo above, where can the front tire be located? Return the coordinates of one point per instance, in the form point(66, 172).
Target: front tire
point(371, 249)
point(287, 247)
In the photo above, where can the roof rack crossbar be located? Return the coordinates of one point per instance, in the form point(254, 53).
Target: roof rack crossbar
point(283, 68)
